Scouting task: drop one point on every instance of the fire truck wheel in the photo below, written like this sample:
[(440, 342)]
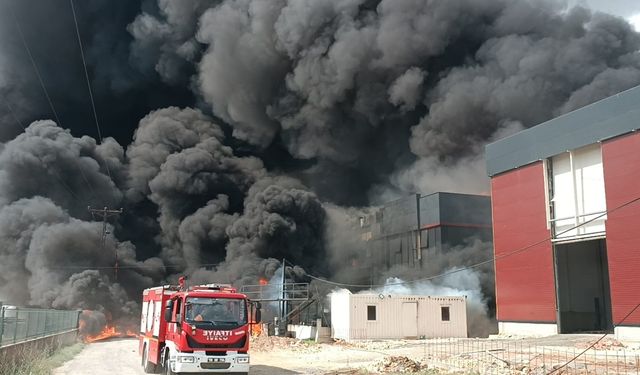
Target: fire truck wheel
[(148, 367), (167, 367)]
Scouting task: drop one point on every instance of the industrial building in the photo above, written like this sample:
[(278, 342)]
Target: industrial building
[(385, 316), (409, 230), (566, 222)]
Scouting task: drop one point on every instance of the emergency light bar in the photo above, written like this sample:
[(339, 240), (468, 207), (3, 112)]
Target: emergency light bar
[(221, 287)]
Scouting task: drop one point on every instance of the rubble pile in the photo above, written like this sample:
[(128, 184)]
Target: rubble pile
[(265, 343), (606, 344), (400, 364)]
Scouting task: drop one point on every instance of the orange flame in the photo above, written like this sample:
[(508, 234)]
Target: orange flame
[(256, 329), (263, 281), (107, 333)]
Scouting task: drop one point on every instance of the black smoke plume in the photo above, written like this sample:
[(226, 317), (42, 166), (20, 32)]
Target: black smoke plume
[(238, 133)]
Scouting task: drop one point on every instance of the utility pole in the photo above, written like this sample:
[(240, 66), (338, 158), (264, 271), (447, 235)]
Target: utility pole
[(105, 213), (284, 290)]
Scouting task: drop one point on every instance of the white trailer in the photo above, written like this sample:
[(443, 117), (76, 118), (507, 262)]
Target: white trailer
[(386, 316)]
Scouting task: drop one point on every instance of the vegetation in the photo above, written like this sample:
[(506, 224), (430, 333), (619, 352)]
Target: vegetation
[(38, 360)]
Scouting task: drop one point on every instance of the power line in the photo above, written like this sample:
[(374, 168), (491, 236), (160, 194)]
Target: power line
[(86, 76), (492, 259), (55, 173), (46, 93), (105, 213), (15, 117), (593, 344), (35, 67)]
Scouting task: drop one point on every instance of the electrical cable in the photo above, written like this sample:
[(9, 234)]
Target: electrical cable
[(15, 116), (492, 259), (35, 68), (86, 75), (593, 344), (56, 175), (48, 97)]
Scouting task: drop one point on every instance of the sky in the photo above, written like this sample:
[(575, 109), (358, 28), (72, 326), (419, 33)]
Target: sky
[(629, 9)]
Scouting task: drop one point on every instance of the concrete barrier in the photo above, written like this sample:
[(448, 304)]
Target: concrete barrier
[(33, 349), (27, 331)]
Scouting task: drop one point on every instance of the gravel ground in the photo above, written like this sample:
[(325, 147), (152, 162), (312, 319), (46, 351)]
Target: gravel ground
[(282, 356), (286, 356)]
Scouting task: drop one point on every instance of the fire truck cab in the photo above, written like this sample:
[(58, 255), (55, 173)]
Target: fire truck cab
[(200, 329)]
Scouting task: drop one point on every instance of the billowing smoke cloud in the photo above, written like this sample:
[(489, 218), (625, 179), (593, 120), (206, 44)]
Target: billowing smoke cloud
[(48, 161), (458, 282), (332, 79), (123, 91), (281, 220), (238, 133), (446, 275), (178, 161), (48, 259)]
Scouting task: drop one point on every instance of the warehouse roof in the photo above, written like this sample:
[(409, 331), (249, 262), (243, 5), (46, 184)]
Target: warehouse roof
[(610, 117)]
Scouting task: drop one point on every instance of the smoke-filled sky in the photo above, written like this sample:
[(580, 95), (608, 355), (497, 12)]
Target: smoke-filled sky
[(236, 133)]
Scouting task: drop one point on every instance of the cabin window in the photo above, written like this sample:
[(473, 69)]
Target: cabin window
[(444, 313), (371, 313)]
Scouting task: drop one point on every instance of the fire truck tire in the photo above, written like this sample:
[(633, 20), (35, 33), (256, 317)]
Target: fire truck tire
[(166, 368), (148, 367)]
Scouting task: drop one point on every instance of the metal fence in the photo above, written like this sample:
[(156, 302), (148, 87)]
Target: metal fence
[(482, 356), (19, 324)]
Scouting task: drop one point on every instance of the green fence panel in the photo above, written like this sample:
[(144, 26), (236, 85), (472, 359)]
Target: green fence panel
[(18, 324)]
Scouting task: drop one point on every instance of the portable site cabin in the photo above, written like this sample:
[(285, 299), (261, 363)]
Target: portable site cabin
[(385, 316)]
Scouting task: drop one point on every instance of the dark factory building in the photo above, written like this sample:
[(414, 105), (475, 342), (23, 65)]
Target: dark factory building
[(410, 230)]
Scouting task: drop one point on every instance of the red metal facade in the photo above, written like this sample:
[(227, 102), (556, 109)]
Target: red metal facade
[(525, 282), (621, 164)]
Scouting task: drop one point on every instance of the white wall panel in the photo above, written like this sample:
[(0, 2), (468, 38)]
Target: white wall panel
[(578, 193)]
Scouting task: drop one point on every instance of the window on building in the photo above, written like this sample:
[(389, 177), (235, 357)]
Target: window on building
[(576, 193), (444, 313), (371, 313)]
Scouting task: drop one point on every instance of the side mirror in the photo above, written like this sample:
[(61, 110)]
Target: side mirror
[(168, 311)]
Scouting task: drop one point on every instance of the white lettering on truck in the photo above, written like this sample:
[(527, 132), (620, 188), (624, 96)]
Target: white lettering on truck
[(217, 335)]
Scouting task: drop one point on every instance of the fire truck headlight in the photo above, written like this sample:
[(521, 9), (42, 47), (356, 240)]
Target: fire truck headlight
[(186, 359), (243, 360)]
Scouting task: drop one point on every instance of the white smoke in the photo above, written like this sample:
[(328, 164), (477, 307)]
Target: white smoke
[(456, 282)]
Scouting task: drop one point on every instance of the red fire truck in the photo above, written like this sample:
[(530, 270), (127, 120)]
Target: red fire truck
[(199, 329)]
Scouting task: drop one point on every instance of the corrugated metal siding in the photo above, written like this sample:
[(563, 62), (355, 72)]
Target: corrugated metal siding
[(610, 117), (525, 282), (621, 161), (389, 323)]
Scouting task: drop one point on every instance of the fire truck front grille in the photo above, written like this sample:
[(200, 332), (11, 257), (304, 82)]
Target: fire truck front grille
[(215, 366), (196, 345)]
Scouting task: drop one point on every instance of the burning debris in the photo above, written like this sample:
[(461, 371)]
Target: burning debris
[(290, 113), (108, 332), (95, 326)]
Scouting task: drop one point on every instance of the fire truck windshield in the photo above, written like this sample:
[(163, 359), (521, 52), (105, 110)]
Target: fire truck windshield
[(223, 313)]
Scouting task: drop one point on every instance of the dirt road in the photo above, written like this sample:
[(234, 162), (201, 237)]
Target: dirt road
[(116, 356), (120, 356), (280, 356)]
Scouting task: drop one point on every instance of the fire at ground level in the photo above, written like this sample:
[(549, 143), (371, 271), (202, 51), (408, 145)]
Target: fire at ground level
[(282, 356)]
